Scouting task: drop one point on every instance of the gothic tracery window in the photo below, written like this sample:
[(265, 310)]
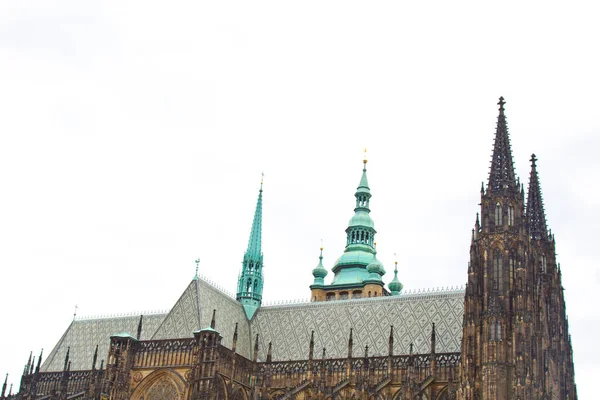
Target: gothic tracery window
[(164, 389), (511, 215)]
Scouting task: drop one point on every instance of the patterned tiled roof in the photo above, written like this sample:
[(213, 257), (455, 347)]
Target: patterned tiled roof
[(194, 310), (289, 327), (82, 336)]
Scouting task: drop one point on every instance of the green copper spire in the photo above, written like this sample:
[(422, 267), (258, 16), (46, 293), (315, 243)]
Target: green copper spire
[(351, 267), (395, 285), (320, 272), (250, 281)]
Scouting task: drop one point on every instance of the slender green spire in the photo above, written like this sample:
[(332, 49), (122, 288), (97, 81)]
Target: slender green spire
[(250, 281), (255, 240), (320, 272), (395, 285)]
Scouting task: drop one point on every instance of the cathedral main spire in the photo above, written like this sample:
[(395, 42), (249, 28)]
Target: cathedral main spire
[(536, 217), (250, 281), (502, 173)]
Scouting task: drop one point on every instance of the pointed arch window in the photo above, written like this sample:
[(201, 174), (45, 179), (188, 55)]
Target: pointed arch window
[(498, 214), (511, 271), (511, 215), (496, 330), (497, 269)]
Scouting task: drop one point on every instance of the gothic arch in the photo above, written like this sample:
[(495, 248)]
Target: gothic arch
[(162, 384), (239, 394), (443, 394)]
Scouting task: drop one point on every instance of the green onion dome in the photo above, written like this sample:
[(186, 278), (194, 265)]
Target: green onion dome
[(395, 286)]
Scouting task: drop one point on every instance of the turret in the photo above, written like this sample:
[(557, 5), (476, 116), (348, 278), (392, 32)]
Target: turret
[(250, 281), (395, 286)]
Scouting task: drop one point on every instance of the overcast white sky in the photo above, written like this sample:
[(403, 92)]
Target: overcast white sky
[(133, 136)]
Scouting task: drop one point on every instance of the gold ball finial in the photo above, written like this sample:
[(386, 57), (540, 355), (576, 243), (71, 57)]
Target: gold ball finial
[(365, 156)]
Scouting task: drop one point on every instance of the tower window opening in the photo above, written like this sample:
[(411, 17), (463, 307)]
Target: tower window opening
[(343, 295), (512, 268), (511, 215), (330, 296), (497, 269), (357, 294), (496, 331), (543, 263), (498, 214)]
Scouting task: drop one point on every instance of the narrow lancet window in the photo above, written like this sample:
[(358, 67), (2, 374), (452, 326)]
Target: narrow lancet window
[(511, 215), (497, 269), (512, 269), (498, 214)]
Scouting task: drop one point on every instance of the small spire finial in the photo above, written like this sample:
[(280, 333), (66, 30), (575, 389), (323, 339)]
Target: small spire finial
[(212, 321), (365, 157), (321, 248), (197, 261), (533, 160), (75, 312), (262, 179), (501, 103)]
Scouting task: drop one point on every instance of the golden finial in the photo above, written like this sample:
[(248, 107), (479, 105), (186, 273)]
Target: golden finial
[(396, 261), (365, 156), (321, 248), (262, 178)]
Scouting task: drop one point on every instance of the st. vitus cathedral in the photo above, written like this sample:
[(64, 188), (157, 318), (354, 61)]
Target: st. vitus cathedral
[(505, 336)]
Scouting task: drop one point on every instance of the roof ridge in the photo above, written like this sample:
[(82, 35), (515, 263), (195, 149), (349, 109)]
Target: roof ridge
[(128, 314)]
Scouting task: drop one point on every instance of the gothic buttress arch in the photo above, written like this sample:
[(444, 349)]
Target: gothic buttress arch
[(162, 384)]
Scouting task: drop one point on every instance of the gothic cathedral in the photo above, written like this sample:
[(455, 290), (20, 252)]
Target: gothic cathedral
[(505, 336)]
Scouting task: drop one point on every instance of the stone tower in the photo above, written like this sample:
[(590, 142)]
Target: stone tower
[(250, 281), (513, 292)]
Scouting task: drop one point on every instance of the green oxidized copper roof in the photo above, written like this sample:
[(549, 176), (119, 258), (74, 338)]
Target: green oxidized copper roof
[(250, 281), (254, 242), (320, 271), (350, 268), (376, 266), (350, 275), (123, 335), (395, 285), (363, 186), (361, 218)]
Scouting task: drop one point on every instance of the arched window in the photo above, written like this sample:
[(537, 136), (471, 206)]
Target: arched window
[(357, 294), (343, 295), (498, 214), (497, 269), (511, 215), (330, 296), (495, 330)]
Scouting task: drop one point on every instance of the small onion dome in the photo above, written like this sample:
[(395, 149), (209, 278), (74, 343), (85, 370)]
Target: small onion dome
[(395, 286), (320, 271), (376, 267)]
